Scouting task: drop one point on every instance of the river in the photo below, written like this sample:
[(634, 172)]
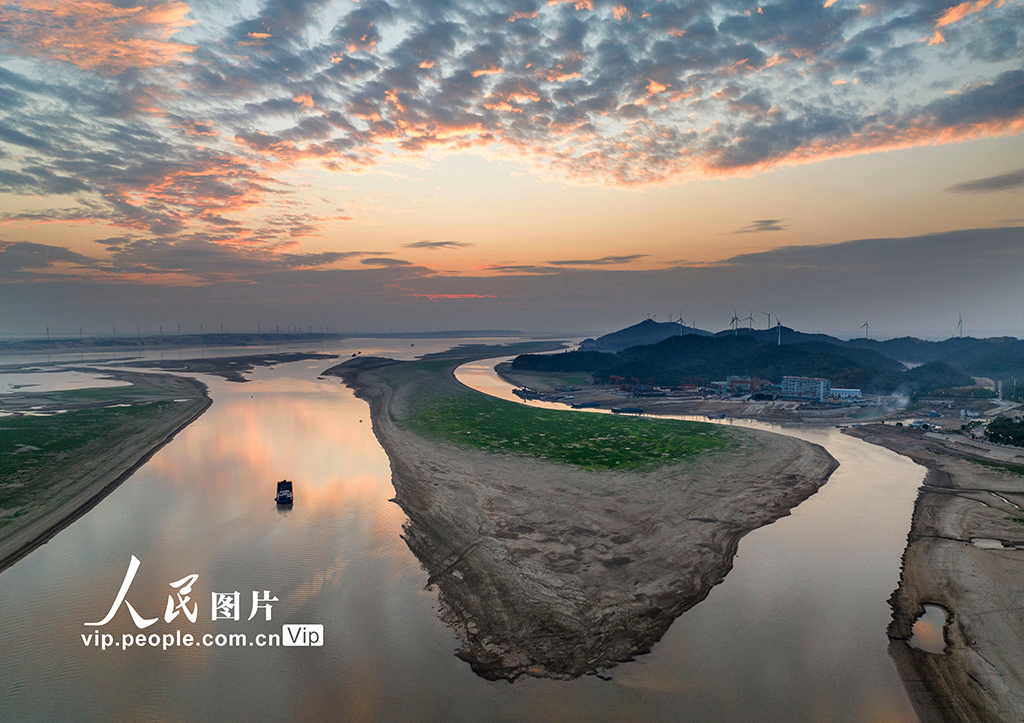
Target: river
[(796, 632)]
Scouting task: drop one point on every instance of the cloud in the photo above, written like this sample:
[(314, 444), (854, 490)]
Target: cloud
[(169, 119), (524, 269), (437, 245), (921, 281), (383, 261), (603, 261), (765, 224), (102, 36), (1004, 182), (19, 256)]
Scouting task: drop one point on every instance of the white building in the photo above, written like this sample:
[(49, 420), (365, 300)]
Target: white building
[(806, 388), (845, 393)]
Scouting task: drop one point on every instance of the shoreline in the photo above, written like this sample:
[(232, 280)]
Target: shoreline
[(548, 570), (104, 473), (964, 497), (768, 412)]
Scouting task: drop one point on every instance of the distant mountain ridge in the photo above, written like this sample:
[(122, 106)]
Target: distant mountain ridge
[(869, 364), (693, 359), (995, 357)]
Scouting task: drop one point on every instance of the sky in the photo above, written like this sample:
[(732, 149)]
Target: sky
[(565, 166)]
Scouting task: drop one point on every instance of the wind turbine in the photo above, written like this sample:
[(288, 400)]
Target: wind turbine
[(750, 318), (960, 324), (867, 329), (769, 315), (734, 322), (778, 330)]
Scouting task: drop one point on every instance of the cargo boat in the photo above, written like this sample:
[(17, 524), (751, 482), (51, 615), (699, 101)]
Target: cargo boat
[(284, 493)]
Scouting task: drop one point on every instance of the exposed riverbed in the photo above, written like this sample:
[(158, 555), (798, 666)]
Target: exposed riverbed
[(796, 632)]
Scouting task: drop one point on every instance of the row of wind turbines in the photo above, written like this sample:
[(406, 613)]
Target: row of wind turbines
[(959, 326), (735, 321)]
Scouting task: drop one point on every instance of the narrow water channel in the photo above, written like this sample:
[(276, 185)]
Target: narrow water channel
[(795, 633)]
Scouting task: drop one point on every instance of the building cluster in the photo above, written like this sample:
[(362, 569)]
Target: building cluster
[(802, 389)]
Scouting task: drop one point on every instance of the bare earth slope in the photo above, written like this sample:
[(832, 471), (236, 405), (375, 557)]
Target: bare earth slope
[(980, 677), (550, 570)]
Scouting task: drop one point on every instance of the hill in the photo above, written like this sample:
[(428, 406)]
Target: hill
[(696, 359), (997, 357), (646, 332)]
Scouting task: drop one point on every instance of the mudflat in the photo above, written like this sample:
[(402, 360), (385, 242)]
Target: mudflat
[(56, 468), (965, 554), (546, 568)]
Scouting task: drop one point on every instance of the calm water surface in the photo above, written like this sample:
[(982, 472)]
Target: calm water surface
[(795, 633)]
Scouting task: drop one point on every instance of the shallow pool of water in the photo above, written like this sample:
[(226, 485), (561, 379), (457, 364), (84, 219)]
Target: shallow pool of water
[(52, 381), (928, 633)]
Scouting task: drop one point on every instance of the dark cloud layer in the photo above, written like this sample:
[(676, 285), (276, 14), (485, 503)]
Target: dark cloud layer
[(765, 224), (433, 245), (829, 288), (603, 261), (1004, 182), (386, 262)]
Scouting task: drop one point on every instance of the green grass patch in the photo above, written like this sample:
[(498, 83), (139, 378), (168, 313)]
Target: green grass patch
[(33, 448), (1016, 469), (590, 441)]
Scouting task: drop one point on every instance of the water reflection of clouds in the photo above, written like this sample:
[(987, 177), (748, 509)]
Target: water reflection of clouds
[(928, 633)]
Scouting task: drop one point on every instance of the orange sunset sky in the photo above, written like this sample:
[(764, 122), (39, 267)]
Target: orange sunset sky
[(546, 166)]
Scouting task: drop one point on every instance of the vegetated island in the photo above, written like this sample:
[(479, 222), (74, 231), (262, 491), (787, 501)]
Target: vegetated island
[(564, 543), (63, 452), (965, 554)]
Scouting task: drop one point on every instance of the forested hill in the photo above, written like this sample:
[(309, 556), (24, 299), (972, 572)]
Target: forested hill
[(697, 359), (1000, 358), (996, 357)]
